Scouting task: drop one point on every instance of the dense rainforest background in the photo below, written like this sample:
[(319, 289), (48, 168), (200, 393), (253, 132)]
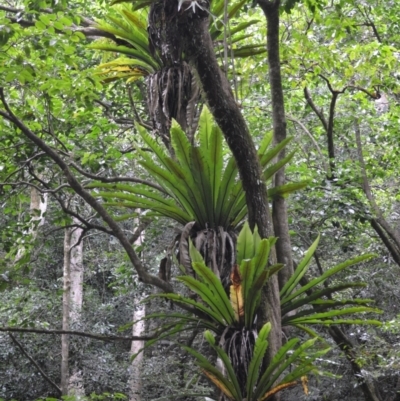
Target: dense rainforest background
[(199, 200)]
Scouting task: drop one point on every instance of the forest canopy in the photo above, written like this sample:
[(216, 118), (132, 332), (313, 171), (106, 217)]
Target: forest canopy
[(199, 200)]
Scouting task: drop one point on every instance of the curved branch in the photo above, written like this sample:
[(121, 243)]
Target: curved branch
[(311, 136), (87, 197), (117, 179), (319, 113), (40, 370)]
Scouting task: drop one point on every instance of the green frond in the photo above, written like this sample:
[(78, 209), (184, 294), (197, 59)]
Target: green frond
[(227, 364), (270, 171), (261, 256), (138, 20), (279, 364), (299, 272), (267, 156), (180, 144), (286, 189), (199, 307), (245, 244), (316, 298), (309, 317), (260, 349), (326, 275), (215, 303), (214, 284), (264, 145), (249, 51), (224, 384)]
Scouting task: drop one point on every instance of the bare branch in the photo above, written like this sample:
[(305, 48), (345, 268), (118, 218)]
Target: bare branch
[(100, 337), (319, 113), (139, 229), (311, 136), (41, 190), (133, 107), (117, 179), (87, 197), (40, 370)]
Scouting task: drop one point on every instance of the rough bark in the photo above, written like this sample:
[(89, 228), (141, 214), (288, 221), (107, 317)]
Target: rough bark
[(226, 112), (279, 209)]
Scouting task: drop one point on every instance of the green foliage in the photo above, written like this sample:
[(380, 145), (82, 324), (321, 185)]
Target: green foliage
[(260, 384), (226, 316), (199, 185), (137, 60), (308, 304)]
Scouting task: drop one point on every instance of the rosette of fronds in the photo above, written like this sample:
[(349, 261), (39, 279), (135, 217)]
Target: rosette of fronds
[(232, 319), (199, 188), (261, 382), (319, 303), (129, 27), (131, 43), (201, 183)]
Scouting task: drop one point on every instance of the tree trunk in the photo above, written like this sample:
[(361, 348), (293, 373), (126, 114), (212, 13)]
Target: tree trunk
[(76, 386), (279, 210), (66, 309), (37, 208), (72, 305), (226, 112), (137, 330), (136, 368)]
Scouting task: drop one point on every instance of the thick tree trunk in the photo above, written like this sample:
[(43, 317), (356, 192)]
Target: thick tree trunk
[(279, 210), (72, 305), (226, 112)]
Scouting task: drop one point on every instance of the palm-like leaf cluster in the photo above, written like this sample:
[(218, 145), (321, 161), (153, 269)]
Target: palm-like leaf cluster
[(260, 385), (137, 60), (197, 185), (241, 347), (311, 305), (130, 31)]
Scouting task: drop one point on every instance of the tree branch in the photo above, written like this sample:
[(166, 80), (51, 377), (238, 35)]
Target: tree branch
[(319, 113), (87, 197), (117, 179), (100, 337), (40, 370)]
